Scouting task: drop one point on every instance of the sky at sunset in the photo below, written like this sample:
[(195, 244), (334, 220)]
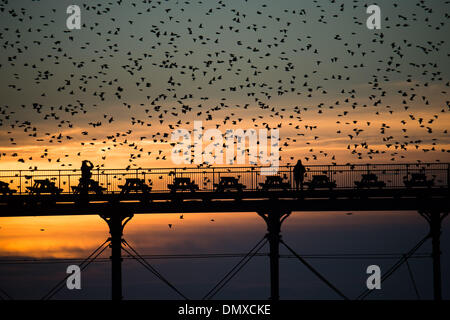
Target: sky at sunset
[(115, 90), (309, 233)]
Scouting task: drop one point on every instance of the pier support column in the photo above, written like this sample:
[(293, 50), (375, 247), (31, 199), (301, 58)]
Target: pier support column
[(274, 218), (434, 219), (116, 221)]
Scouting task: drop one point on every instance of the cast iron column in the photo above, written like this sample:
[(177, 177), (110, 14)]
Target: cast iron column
[(116, 221), (274, 218), (434, 218), (435, 229)]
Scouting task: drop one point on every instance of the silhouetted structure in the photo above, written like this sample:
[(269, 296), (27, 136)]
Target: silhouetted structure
[(5, 189), (274, 183), (229, 183), (418, 180), (320, 181), (331, 188), (44, 186), (370, 180), (135, 185), (182, 184)]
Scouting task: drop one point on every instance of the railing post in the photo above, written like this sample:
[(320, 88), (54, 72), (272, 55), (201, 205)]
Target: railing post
[(291, 177), (448, 175), (59, 179), (20, 181), (251, 177), (213, 181), (330, 173)]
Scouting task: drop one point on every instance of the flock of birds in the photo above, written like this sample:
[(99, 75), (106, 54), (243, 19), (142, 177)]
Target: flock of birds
[(139, 70)]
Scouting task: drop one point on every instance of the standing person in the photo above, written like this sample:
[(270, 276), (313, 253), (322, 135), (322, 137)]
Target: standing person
[(86, 173), (299, 174)]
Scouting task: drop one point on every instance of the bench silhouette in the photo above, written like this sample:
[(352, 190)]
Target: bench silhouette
[(5, 190), (418, 180), (320, 181), (135, 185), (274, 182), (228, 183), (182, 184), (93, 186), (44, 186), (370, 180)]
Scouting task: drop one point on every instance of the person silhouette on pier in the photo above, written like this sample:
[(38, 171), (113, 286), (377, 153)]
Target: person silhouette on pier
[(86, 174), (299, 175)]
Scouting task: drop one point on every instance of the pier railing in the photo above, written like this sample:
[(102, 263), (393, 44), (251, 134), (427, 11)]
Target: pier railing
[(393, 175)]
